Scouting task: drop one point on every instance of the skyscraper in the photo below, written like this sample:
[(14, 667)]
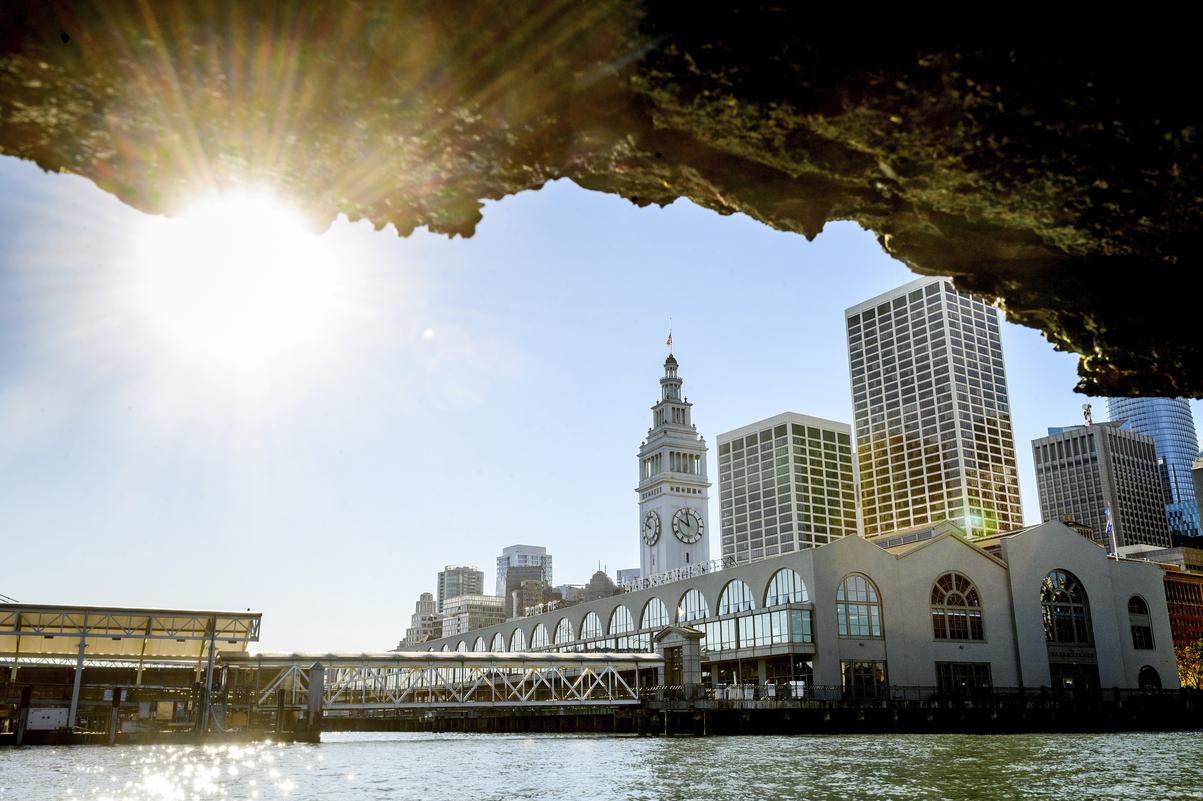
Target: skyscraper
[(1099, 475), (522, 556), (932, 420), (459, 580), (673, 526), (1169, 422), (785, 483)]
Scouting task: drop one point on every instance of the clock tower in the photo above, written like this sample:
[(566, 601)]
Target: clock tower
[(673, 527)]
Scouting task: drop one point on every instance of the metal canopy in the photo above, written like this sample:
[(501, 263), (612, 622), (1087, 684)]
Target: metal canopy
[(52, 631), (434, 659)]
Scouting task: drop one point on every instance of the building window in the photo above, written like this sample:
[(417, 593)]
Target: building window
[(1141, 623), (956, 610), (785, 587), (590, 627), (1065, 609), (498, 645), (621, 621), (692, 607), (863, 679), (518, 640), (858, 608), (963, 678), (463, 646), (563, 634), (736, 597), (538, 638), (479, 645), (655, 615)]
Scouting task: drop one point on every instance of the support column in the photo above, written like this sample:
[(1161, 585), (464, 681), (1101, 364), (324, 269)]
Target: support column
[(207, 690), (115, 715), (23, 713), (317, 684), (79, 672)]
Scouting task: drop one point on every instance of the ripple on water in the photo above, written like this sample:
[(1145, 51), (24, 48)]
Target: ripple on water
[(431, 767)]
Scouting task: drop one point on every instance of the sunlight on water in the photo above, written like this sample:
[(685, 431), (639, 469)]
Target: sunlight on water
[(1131, 767)]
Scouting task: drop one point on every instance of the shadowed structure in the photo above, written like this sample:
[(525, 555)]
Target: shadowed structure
[(1059, 176)]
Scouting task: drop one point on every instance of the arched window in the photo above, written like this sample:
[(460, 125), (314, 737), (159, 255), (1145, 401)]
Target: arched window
[(463, 646), (538, 638), (1142, 626), (858, 607), (621, 621), (956, 609), (445, 647), (518, 640), (479, 645), (1149, 678), (655, 615), (735, 597), (498, 645), (1065, 609), (563, 634), (590, 627), (785, 587), (692, 607)]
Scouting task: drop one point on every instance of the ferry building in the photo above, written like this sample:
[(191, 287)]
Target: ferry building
[(1040, 606)]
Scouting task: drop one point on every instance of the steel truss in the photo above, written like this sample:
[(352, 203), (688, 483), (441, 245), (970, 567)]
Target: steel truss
[(351, 684)]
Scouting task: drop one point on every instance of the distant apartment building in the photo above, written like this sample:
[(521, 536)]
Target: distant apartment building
[(627, 574), (424, 623), (785, 483), (464, 613), (522, 556), (1172, 426), (515, 578), (458, 580), (1105, 477), (931, 416)]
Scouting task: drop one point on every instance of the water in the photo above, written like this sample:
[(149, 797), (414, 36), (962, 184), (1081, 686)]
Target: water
[(432, 767)]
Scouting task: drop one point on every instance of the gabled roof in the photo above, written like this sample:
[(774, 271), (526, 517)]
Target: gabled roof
[(683, 631)]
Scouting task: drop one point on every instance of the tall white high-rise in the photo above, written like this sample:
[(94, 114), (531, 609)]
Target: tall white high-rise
[(522, 556), (673, 527), (785, 483), (931, 416)]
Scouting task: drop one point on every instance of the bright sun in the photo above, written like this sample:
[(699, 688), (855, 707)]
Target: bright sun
[(236, 282)]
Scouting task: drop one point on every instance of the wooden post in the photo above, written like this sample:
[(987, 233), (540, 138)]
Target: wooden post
[(23, 713), (280, 711), (115, 715), (317, 682), (79, 672)]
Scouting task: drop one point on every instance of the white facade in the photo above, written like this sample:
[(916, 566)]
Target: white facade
[(832, 638), (522, 556), (785, 483), (674, 528), (932, 419)]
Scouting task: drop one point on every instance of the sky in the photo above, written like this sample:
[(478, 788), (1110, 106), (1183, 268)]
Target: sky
[(418, 402)]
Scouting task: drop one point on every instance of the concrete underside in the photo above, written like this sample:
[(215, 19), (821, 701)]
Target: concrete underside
[(1058, 174)]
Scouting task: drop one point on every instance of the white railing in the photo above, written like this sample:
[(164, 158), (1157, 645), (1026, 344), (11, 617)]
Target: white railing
[(680, 574)]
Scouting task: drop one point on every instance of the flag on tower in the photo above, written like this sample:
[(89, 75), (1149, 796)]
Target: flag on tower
[(669, 341)]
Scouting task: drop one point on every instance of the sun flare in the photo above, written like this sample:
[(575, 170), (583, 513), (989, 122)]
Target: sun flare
[(237, 282)]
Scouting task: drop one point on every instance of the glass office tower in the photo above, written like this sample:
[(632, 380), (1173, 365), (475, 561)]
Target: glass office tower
[(1169, 422), (931, 416)]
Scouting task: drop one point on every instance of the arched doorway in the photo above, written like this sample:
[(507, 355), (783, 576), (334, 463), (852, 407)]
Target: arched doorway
[(1149, 678)]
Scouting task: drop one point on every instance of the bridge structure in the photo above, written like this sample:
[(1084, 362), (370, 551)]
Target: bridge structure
[(301, 690)]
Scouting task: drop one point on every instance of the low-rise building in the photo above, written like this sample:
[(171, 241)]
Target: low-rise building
[(1050, 609), (465, 613)]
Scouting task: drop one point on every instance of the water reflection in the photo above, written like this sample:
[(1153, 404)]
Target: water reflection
[(412, 766)]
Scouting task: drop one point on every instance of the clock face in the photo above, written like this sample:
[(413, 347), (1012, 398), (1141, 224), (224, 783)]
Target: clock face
[(687, 526), (651, 528)]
